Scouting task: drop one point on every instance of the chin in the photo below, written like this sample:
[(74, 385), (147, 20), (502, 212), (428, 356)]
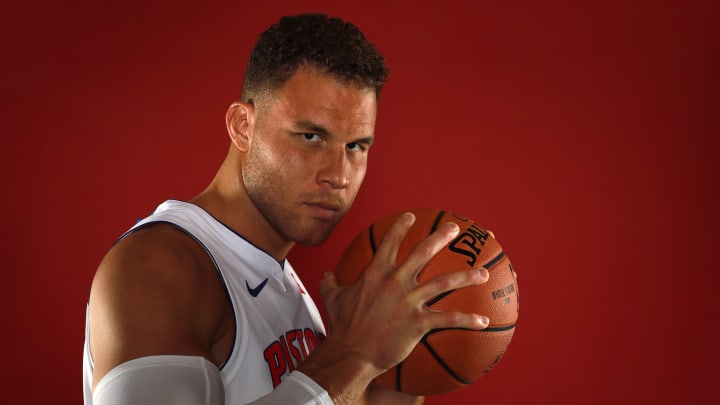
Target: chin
[(314, 237), (313, 240)]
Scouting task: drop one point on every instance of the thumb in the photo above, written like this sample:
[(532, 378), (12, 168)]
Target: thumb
[(327, 284)]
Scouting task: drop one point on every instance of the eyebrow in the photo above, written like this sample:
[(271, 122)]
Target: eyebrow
[(310, 126)]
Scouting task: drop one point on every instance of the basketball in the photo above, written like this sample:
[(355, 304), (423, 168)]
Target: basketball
[(447, 359)]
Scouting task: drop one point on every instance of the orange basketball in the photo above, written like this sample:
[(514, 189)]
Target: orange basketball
[(447, 359)]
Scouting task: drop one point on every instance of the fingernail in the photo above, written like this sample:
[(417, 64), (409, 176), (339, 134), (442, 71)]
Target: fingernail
[(484, 272), (453, 226), (484, 321)]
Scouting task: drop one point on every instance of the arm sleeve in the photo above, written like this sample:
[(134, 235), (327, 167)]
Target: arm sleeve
[(182, 380), (296, 388), (191, 380)]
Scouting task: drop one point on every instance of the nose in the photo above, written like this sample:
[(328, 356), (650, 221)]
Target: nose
[(334, 169)]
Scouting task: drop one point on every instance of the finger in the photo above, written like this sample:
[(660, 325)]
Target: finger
[(445, 282), (492, 234), (441, 319), (427, 249), (390, 244)]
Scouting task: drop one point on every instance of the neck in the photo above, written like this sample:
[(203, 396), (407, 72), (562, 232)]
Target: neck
[(226, 199)]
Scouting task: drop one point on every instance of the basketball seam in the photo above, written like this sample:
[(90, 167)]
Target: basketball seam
[(498, 328), (439, 297), (398, 380), (488, 329), (492, 262), (435, 224), (441, 362)]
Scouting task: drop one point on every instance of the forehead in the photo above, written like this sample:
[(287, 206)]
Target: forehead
[(311, 96)]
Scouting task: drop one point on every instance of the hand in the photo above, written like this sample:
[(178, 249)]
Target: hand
[(380, 318)]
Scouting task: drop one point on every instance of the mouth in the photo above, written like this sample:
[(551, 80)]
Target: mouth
[(324, 209)]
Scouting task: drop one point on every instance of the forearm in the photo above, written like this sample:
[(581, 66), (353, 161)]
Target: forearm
[(343, 375)]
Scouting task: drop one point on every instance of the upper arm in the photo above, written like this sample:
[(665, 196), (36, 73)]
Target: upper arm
[(152, 294)]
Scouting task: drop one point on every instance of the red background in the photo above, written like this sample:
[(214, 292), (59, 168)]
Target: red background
[(584, 135)]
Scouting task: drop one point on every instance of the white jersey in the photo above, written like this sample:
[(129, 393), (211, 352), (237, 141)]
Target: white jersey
[(276, 322)]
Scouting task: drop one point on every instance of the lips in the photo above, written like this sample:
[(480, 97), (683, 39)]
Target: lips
[(324, 209), (326, 205)]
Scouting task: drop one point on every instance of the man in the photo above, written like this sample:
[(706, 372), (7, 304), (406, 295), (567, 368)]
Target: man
[(197, 304)]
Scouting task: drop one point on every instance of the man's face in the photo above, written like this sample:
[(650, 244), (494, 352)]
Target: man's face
[(308, 154)]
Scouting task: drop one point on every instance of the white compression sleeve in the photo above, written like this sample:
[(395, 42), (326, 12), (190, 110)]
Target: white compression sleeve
[(191, 380), (182, 380), (296, 389)]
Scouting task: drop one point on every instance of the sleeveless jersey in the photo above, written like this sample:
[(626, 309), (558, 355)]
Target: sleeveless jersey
[(276, 322)]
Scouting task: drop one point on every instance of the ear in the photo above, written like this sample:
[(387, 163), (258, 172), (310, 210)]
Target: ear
[(240, 120)]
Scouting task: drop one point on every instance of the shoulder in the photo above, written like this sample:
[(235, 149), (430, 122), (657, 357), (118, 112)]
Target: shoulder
[(156, 247), (159, 259), (155, 292)]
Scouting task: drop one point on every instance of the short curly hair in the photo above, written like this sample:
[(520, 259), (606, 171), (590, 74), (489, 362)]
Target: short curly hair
[(330, 45)]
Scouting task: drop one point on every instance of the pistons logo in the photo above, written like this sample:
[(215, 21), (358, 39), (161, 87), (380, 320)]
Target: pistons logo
[(288, 351)]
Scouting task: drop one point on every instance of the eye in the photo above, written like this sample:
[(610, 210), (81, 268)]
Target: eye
[(311, 137), (356, 146)]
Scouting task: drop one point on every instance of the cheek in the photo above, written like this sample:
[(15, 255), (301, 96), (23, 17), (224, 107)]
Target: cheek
[(358, 175), (275, 160), (295, 167), (262, 169)]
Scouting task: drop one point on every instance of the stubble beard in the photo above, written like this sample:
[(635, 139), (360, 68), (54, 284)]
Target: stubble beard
[(266, 193), (290, 225)]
